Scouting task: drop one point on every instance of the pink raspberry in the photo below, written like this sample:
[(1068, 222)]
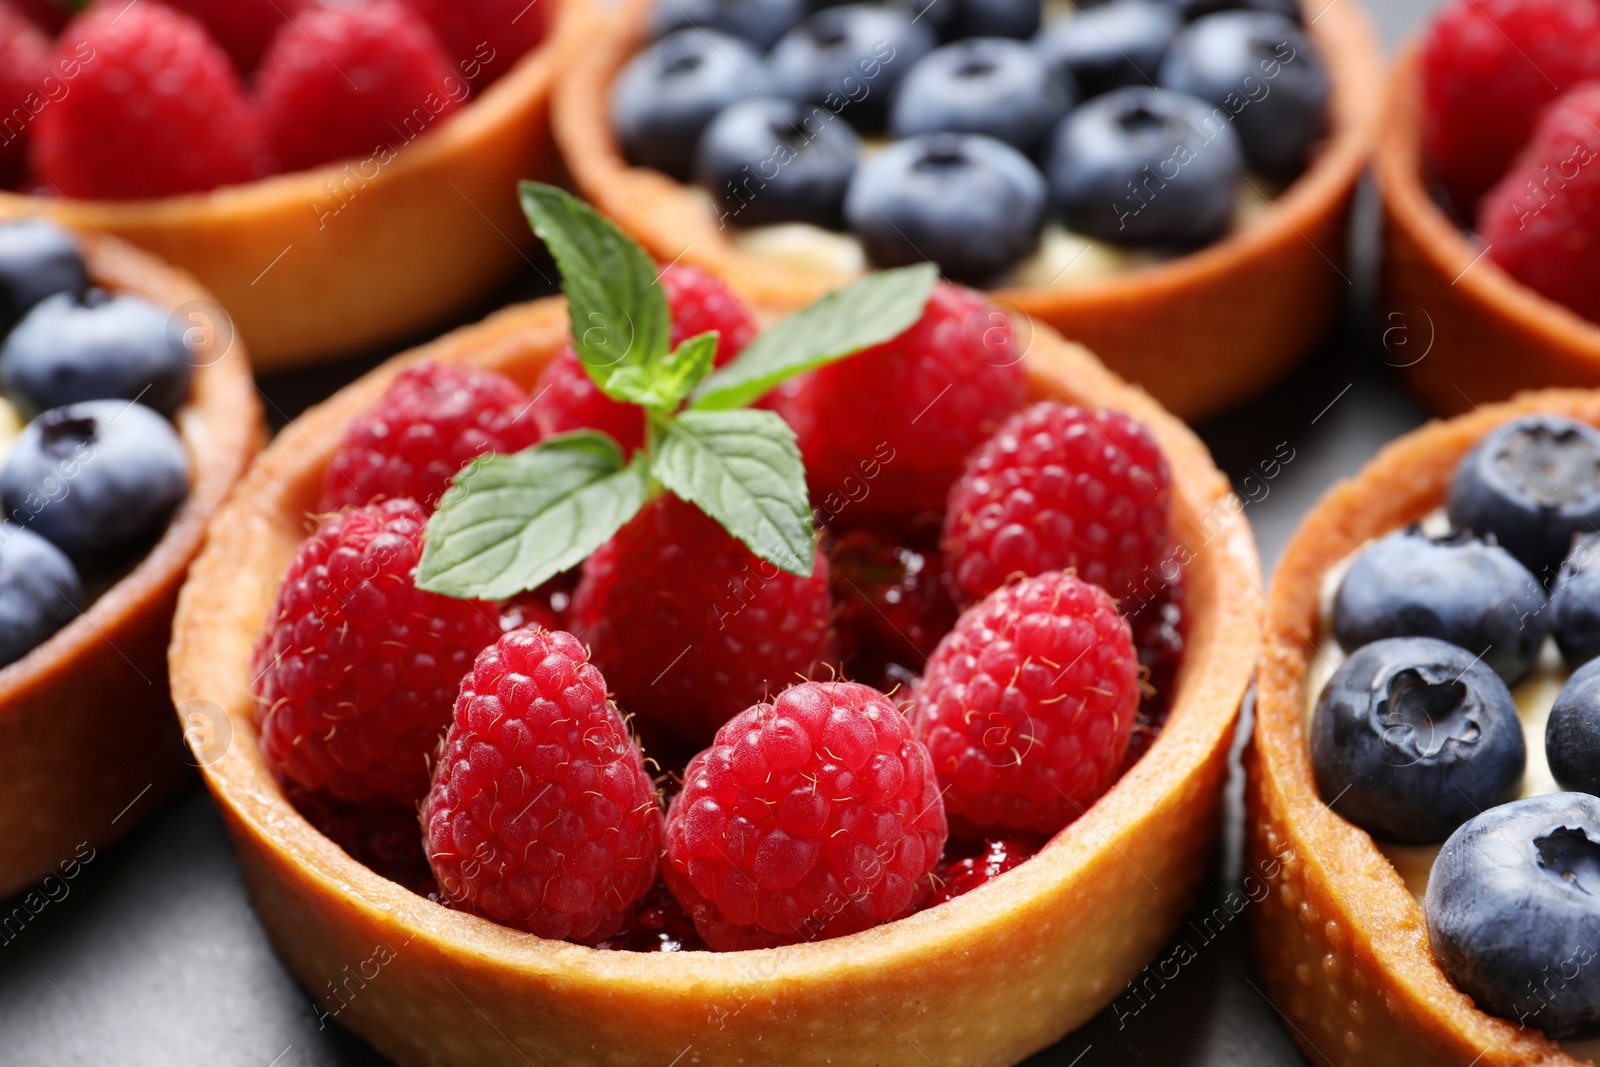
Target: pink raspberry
[(433, 420), (814, 816), (357, 669), (1061, 488), (541, 815), (486, 37), (1028, 704)]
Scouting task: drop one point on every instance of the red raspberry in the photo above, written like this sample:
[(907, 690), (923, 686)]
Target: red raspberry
[(1488, 68), (383, 837), (690, 626), (48, 15), (358, 81), (814, 816), (885, 432), (960, 875), (547, 607), (1061, 488), (1028, 704), (433, 420), (243, 28), (24, 65), (158, 110), (357, 669), (541, 815), (567, 398), (486, 37), (660, 925), (895, 602), (1542, 222)]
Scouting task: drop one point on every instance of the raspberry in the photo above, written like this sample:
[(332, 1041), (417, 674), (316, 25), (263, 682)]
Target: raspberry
[(1488, 68), (383, 837), (24, 65), (345, 82), (541, 815), (432, 421), (960, 875), (243, 28), (1542, 222), (1061, 488), (896, 600), (357, 669), (48, 15), (567, 398), (159, 110), (547, 607), (690, 626), (1028, 704), (660, 925), (486, 37), (811, 817), (885, 432)]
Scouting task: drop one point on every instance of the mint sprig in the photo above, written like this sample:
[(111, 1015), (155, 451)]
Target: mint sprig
[(510, 523)]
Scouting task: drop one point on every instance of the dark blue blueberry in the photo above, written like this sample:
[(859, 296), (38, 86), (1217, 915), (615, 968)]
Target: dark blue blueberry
[(1575, 603), (1105, 48), (667, 94), (39, 591), (101, 346), (969, 203), (37, 259), (849, 59), (1145, 167), (1572, 733), (1194, 9), (958, 19), (1262, 70), (1458, 588), (986, 85), (1533, 482), (97, 479), (1413, 736), (768, 160), (1512, 912), (761, 22)]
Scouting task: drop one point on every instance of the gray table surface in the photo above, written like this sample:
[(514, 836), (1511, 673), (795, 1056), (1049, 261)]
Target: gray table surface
[(154, 956)]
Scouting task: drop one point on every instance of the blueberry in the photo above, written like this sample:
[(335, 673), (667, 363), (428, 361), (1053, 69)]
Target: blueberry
[(1105, 48), (667, 94), (849, 59), (1575, 603), (1512, 914), (101, 346), (1533, 482), (37, 259), (986, 85), (969, 203), (761, 22), (768, 160), (1261, 69), (1195, 9), (958, 19), (1145, 167), (1458, 588), (96, 479), (1572, 733), (39, 591), (1413, 736)]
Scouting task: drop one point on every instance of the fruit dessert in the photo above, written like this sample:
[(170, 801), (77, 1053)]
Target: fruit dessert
[(600, 597), (1425, 748), (125, 419), (1081, 164), (1491, 202), (292, 155)]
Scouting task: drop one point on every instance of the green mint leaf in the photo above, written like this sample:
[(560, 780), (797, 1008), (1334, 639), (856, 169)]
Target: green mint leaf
[(615, 303), (663, 387), (865, 313), (743, 469), (511, 522)]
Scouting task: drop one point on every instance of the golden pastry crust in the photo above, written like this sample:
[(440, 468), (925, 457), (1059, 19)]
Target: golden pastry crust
[(86, 733), (1485, 334), (1201, 332), (983, 980), (361, 253), (1341, 943)]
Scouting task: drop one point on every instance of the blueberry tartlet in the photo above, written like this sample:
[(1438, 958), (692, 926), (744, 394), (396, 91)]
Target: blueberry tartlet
[(1427, 749), (1122, 173)]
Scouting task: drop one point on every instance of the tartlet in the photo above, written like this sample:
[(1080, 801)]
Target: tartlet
[(1341, 942), (985, 979), (86, 732), (356, 254), (1460, 312), (1201, 332)]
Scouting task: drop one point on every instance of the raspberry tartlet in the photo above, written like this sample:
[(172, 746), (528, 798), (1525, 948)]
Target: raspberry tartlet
[(368, 230), (1389, 763), (87, 744), (1125, 303)]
